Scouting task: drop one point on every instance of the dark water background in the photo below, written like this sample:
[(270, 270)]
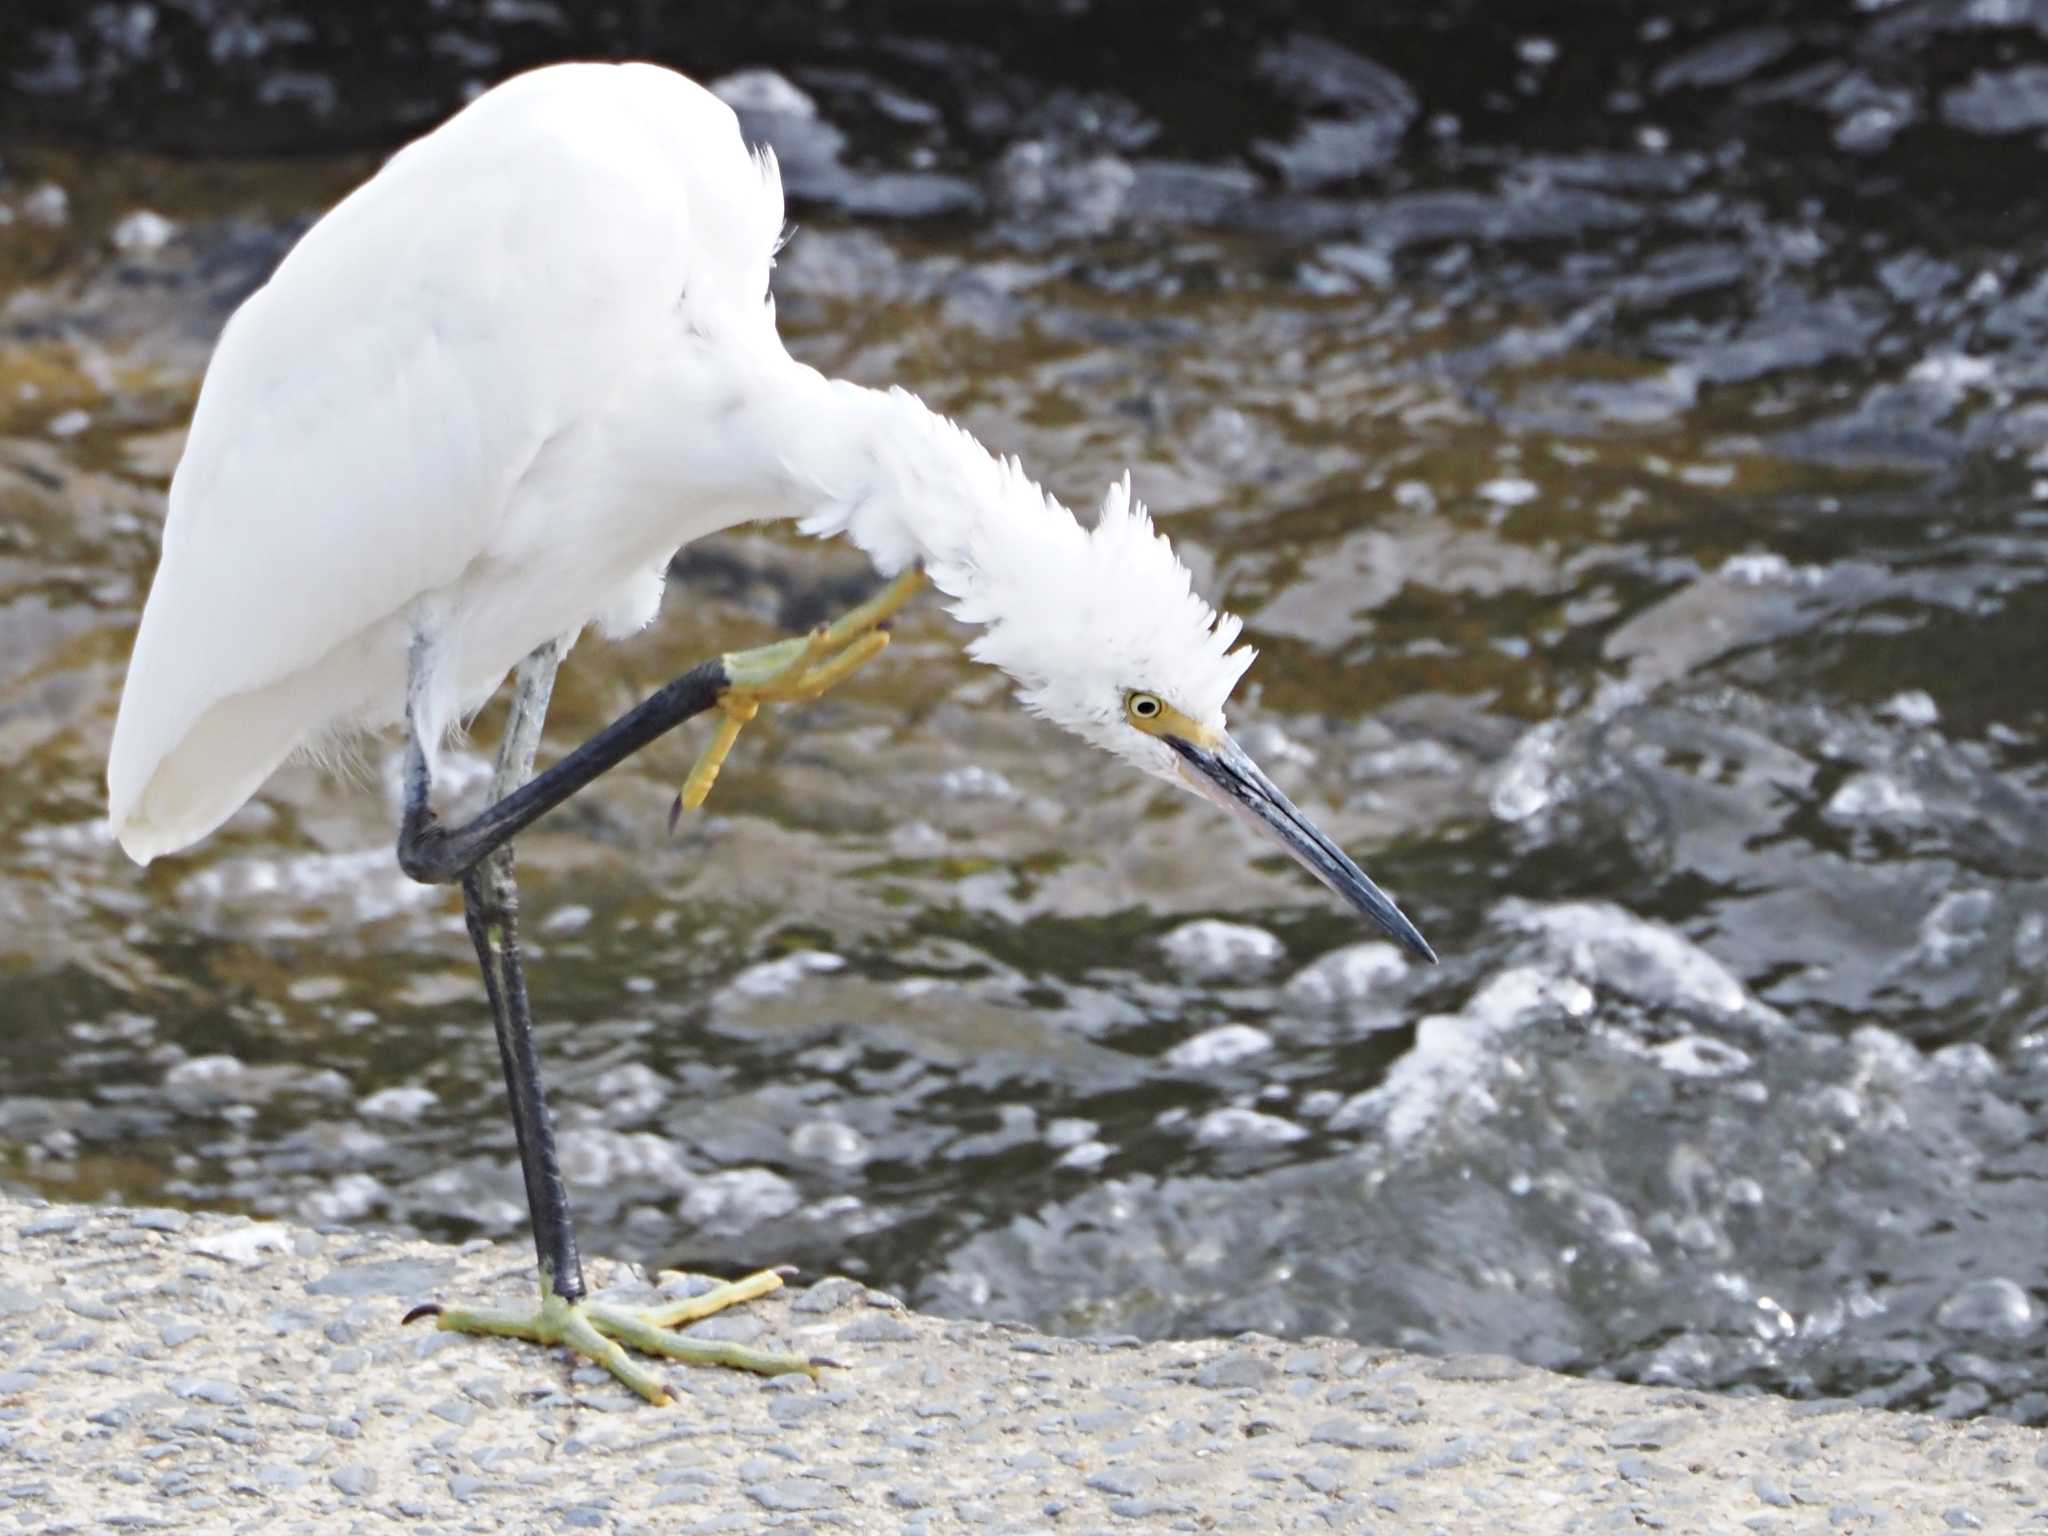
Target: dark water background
[(1624, 431)]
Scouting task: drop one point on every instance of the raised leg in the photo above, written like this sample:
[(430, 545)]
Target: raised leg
[(736, 683), (436, 855)]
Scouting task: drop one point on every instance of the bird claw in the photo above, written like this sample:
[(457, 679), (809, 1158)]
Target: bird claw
[(793, 671), (603, 1334)]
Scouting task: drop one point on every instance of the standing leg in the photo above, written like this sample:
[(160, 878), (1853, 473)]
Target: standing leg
[(490, 901), (490, 904)]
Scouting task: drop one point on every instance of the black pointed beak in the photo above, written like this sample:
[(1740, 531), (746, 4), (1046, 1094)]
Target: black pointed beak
[(1232, 780)]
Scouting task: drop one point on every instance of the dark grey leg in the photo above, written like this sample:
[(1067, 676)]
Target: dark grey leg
[(479, 854), (490, 905), (436, 855)]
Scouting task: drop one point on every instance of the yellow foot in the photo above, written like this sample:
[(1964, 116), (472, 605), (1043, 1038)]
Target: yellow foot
[(791, 670), (596, 1332)]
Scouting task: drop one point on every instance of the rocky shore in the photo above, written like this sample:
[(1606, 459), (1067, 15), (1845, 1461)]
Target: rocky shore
[(163, 1370)]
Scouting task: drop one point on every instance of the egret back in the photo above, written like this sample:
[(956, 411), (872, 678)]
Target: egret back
[(388, 438)]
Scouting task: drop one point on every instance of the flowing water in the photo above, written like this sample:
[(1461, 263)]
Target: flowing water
[(1634, 473)]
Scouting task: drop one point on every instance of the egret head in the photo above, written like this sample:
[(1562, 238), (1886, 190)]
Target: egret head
[(1105, 635)]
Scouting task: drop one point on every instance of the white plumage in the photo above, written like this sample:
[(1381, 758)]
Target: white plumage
[(486, 398), (479, 407)]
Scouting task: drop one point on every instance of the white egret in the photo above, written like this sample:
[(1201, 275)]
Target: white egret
[(478, 408)]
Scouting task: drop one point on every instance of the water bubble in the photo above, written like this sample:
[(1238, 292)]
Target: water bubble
[(349, 1198), (1087, 1155), (630, 1091), (763, 90), (598, 1155), (1455, 1055), (1873, 797), (829, 1141), (1219, 1047), (1612, 948), (49, 205), (402, 1103), (1069, 1132), (1245, 1127), (1699, 1056), (1209, 948), (974, 782), (1345, 976), (569, 918), (1996, 1307), (1528, 782), (777, 978), (735, 1199), (1508, 491), (1957, 925), (143, 231), (1913, 707)]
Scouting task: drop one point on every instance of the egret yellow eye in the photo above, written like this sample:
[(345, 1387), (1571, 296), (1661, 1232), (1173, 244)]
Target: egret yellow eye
[(1144, 706)]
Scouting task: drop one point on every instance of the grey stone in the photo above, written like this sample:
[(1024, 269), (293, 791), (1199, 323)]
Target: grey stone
[(1354, 1435), (793, 1493), (206, 1389), (355, 1480), (879, 1329), (785, 1409), (1147, 1509), (1770, 1492), (1238, 1369), (384, 1277), (457, 1411), (1122, 1480), (163, 1220), (15, 1302), (828, 1295), (1648, 1434), (1477, 1368)]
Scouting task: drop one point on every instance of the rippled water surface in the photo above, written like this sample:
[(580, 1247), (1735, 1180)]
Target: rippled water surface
[(1641, 506)]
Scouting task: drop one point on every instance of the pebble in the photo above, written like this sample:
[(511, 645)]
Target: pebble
[(1235, 1370), (15, 1302), (248, 1245), (205, 1389), (792, 1493), (877, 1330), (828, 1295)]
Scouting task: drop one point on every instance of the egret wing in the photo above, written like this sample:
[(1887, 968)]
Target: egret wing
[(364, 428)]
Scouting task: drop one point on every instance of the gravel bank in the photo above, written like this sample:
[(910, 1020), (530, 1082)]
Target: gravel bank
[(167, 1371)]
